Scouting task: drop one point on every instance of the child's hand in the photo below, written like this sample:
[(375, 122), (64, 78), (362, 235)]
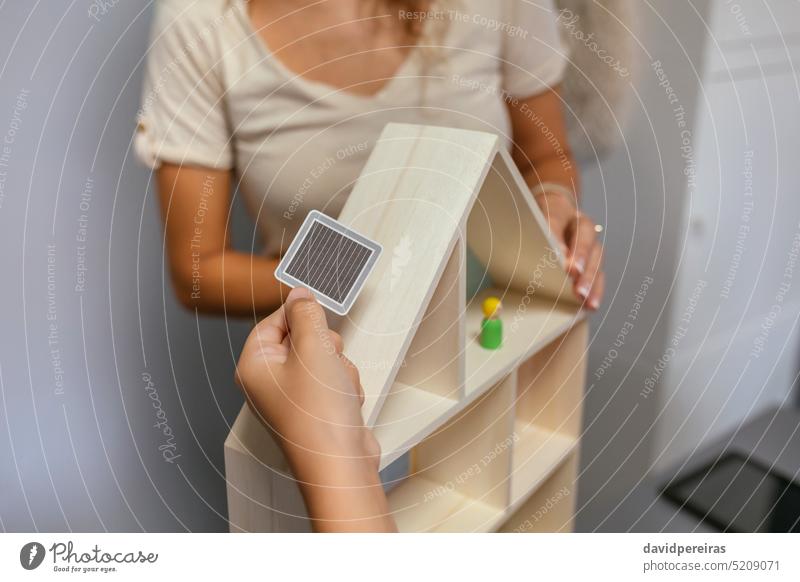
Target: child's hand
[(302, 386), (297, 380)]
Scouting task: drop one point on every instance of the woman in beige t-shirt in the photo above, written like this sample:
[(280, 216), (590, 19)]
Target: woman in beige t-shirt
[(284, 99)]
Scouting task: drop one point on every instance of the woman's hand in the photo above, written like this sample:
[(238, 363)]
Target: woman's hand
[(541, 152), (309, 395), (578, 237)]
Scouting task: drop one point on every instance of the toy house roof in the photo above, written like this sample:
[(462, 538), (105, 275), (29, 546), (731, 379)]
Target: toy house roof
[(426, 194)]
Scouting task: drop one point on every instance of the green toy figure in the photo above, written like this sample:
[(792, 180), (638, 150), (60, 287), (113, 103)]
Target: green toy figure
[(491, 326)]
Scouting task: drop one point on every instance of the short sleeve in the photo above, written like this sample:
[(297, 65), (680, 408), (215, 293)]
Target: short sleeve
[(534, 58), (182, 117)]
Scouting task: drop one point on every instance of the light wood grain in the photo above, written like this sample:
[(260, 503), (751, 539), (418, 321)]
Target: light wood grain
[(249, 491), (509, 235), (459, 475), (537, 454), (551, 384), (417, 186), (262, 494), (473, 451), (422, 505), (551, 508), (435, 359), (408, 416)]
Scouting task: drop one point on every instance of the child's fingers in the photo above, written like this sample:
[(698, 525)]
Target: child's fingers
[(268, 342), (337, 341), (306, 321), (355, 377), (273, 353), (270, 330)]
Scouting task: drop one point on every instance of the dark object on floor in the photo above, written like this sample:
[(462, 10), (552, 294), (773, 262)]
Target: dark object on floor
[(737, 494)]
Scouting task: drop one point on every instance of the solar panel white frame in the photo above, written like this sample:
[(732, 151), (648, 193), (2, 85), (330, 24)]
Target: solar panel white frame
[(338, 307)]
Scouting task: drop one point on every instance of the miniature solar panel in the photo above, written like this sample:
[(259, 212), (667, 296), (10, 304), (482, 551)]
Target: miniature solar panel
[(329, 259), (329, 262)]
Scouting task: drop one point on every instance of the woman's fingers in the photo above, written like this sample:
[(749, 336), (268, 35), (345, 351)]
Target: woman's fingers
[(596, 296), (586, 284), (581, 241), (578, 237)]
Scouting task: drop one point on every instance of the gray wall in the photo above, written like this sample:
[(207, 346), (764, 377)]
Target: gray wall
[(639, 194), (78, 445)]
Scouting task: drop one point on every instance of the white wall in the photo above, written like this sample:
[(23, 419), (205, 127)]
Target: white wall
[(736, 353)]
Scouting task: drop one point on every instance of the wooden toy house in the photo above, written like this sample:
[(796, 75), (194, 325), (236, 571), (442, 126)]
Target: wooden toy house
[(490, 436)]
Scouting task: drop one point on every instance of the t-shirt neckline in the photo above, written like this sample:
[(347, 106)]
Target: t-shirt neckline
[(320, 88)]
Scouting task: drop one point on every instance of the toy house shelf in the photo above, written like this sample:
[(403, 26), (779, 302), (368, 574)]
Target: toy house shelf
[(504, 446), (446, 512), (526, 332), (414, 413), (538, 454), (489, 437)]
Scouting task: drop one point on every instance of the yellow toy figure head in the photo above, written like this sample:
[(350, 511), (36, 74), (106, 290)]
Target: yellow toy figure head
[(491, 307)]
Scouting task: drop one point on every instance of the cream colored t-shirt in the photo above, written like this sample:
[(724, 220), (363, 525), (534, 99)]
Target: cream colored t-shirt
[(215, 96)]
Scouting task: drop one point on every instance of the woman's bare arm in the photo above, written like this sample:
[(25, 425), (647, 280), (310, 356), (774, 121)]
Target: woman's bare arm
[(207, 274)]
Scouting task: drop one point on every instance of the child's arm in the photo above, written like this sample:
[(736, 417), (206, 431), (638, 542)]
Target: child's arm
[(298, 381)]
